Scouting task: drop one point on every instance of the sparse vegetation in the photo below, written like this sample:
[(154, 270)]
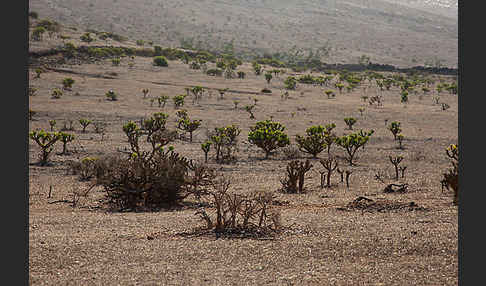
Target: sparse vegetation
[(146, 174)]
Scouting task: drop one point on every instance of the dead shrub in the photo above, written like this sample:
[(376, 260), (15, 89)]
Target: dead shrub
[(240, 215), (291, 152), (365, 204), (150, 179), (161, 180), (294, 181), (450, 179)]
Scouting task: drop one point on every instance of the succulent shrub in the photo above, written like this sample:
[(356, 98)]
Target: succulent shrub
[(330, 164), (330, 93), (197, 91), (84, 122), (400, 138), (350, 121), (162, 100), (395, 162), (329, 137), (45, 140), (404, 96), (361, 110), (52, 123), (268, 77), (225, 141), (38, 72), (290, 83), (111, 95), (313, 142), (56, 93), (182, 114), (160, 61), (339, 86), (178, 100), (115, 61), (257, 68), (268, 135), (65, 138), (67, 83), (206, 147), (352, 142), (153, 125), (147, 180), (249, 109), (189, 126), (395, 129), (32, 91), (86, 37)]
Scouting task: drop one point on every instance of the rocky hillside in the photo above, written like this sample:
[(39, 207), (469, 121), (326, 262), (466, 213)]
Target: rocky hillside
[(398, 32)]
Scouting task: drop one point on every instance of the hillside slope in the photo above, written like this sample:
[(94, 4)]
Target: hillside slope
[(395, 32)]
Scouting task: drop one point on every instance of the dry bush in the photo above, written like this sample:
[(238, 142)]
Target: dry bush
[(160, 180), (150, 179), (294, 181), (365, 204), (450, 179), (290, 152), (240, 215)]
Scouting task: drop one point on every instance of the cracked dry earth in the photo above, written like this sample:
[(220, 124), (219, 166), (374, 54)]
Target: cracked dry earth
[(407, 238)]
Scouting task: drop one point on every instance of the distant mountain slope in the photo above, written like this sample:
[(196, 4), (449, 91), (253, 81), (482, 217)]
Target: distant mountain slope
[(397, 32)]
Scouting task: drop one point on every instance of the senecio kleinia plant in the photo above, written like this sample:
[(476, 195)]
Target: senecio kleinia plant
[(268, 135), (45, 140), (314, 141), (352, 142), (395, 129)]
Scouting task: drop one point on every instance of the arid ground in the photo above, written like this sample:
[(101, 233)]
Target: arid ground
[(322, 243)]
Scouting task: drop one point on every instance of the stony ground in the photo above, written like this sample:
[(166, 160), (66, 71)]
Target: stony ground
[(323, 241)]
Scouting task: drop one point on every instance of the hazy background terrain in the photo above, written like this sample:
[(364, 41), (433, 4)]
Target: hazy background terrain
[(397, 32)]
